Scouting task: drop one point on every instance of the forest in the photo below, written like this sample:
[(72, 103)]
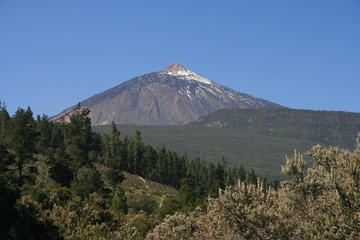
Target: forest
[(255, 138), (63, 181)]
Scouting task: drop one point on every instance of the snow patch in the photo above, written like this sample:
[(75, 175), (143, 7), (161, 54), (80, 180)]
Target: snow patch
[(188, 75)]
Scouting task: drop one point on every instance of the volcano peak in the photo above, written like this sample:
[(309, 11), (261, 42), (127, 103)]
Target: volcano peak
[(173, 96), (182, 72), (175, 67)]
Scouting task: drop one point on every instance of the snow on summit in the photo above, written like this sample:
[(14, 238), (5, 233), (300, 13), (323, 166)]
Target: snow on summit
[(173, 96), (176, 69)]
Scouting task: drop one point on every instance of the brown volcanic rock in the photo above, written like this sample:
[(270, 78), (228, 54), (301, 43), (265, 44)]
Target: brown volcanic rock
[(174, 96)]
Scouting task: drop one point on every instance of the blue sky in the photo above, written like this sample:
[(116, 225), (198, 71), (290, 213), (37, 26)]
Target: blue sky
[(301, 54)]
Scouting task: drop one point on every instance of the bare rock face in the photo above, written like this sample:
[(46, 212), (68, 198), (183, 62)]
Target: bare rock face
[(174, 96)]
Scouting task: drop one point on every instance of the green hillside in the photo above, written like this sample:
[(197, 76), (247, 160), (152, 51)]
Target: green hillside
[(326, 127), (257, 139)]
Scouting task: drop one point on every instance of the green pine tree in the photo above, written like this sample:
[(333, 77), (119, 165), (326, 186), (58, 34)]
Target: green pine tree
[(119, 202), (23, 139)]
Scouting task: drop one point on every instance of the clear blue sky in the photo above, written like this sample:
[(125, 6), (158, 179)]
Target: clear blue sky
[(302, 54)]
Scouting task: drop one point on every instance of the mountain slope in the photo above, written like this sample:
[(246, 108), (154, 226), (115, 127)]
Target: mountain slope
[(325, 127), (174, 96), (254, 138)]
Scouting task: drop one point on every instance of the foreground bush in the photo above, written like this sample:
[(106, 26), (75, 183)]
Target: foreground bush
[(322, 202)]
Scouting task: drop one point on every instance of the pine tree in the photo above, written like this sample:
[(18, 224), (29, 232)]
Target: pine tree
[(114, 177), (119, 202), (5, 122), (44, 128), (88, 181), (162, 165), (150, 157), (113, 149), (23, 139), (80, 140), (220, 172), (138, 153), (61, 173), (211, 186)]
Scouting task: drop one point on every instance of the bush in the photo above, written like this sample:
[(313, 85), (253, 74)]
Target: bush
[(322, 202), (88, 181), (169, 206), (141, 202)]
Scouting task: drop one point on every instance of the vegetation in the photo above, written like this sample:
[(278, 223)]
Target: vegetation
[(65, 181), (254, 138), (326, 127), (322, 202)]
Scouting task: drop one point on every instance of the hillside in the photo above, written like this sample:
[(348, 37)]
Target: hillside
[(136, 184), (264, 154), (257, 139), (325, 127)]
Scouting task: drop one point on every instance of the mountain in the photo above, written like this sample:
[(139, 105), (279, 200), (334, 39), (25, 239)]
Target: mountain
[(173, 96)]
